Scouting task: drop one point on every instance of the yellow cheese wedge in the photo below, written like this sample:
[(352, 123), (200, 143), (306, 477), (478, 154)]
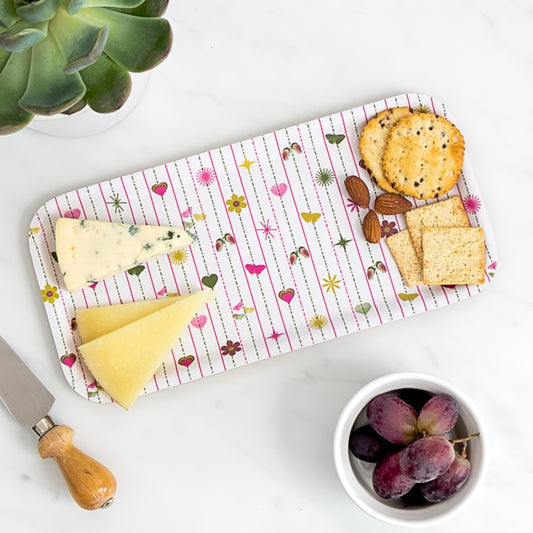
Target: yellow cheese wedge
[(95, 322), (91, 250), (123, 361)]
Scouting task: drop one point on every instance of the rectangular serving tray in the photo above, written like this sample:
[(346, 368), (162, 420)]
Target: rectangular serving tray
[(276, 236)]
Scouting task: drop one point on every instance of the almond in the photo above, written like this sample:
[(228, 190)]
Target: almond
[(391, 204), (358, 191), (371, 227)]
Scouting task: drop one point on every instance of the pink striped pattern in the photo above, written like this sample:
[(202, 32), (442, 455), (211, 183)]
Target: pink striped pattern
[(291, 266)]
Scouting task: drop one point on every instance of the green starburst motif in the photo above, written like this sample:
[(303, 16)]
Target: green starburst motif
[(324, 177), (343, 242), (116, 202), (422, 108)]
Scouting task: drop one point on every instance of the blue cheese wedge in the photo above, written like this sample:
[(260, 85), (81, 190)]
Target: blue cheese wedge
[(91, 250)]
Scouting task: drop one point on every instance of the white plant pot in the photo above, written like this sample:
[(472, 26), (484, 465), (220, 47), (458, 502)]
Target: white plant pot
[(87, 122)]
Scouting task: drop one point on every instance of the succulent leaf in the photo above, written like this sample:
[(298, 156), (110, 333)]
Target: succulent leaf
[(78, 106), (50, 90), (81, 43), (72, 6), (4, 56), (23, 35), (13, 79), (123, 4), (149, 8), (57, 56), (108, 85), (8, 14), (150, 45), (37, 11)]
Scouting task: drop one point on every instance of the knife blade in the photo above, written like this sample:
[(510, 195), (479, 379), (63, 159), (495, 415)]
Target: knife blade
[(90, 483)]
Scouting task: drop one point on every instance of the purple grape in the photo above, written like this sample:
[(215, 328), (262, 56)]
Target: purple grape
[(427, 458), (448, 483), (414, 496), (394, 419), (416, 398), (438, 416), (388, 480), (367, 445)]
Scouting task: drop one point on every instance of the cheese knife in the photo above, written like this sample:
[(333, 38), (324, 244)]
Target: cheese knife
[(90, 483)]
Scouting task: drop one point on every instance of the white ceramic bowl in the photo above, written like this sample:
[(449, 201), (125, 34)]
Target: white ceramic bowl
[(87, 122), (356, 475)]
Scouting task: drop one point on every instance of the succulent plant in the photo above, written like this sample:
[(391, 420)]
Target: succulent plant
[(57, 56)]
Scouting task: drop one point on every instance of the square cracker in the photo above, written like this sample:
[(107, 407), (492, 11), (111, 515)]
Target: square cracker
[(403, 252), (446, 213), (453, 256)]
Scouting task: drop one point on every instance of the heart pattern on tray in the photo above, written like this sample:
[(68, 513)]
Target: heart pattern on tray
[(275, 235)]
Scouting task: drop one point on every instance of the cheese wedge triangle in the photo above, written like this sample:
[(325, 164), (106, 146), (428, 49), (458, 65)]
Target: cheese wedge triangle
[(95, 322), (124, 360), (91, 250)]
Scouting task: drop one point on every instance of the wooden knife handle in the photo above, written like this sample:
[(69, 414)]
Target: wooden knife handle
[(91, 484)]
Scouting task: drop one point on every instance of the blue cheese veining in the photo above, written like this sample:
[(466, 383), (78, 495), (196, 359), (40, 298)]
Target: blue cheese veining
[(92, 250)]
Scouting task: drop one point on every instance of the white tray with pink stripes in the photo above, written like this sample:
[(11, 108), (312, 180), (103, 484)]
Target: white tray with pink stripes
[(277, 237)]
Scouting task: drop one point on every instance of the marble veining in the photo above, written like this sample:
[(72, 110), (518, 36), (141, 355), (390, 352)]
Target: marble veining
[(251, 449)]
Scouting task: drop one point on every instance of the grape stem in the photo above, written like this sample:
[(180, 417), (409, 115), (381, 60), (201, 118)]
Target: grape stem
[(464, 442)]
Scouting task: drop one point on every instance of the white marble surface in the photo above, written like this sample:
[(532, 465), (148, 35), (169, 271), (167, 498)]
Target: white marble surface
[(251, 450)]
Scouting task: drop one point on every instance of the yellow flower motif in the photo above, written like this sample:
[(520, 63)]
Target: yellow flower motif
[(178, 257), (236, 203), (49, 294), (331, 283), (318, 322)]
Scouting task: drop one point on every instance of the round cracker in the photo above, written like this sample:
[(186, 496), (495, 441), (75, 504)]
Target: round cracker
[(423, 156), (373, 140)]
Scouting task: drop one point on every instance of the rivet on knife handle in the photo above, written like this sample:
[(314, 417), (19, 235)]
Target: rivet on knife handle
[(91, 484)]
